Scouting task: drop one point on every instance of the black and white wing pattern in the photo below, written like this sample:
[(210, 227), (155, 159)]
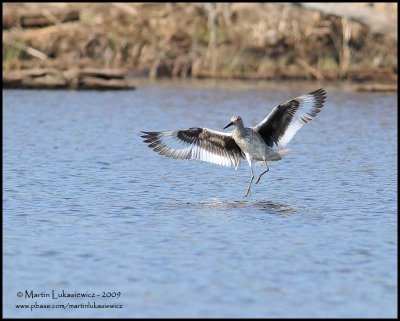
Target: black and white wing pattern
[(285, 120), (196, 143)]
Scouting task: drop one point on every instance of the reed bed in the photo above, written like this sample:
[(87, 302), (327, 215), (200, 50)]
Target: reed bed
[(220, 40)]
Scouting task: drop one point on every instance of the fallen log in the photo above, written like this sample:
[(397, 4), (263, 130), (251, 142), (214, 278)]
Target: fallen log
[(377, 87), (372, 74), (34, 79), (39, 20), (46, 82), (70, 79), (102, 73), (89, 82)]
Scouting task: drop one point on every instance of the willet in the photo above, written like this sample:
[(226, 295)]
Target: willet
[(262, 143)]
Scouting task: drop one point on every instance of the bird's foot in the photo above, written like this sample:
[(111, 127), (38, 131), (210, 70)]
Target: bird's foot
[(259, 177)]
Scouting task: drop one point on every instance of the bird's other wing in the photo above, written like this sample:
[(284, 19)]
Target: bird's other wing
[(285, 120), (196, 143)]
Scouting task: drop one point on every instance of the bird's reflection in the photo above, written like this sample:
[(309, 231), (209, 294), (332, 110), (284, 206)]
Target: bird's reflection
[(270, 207)]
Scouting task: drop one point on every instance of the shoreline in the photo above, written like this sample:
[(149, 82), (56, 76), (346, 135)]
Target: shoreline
[(238, 84)]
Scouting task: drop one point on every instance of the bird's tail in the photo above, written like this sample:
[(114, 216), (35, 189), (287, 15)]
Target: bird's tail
[(283, 152), (278, 155)]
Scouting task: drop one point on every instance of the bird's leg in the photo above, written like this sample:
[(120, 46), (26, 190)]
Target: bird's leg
[(252, 177), (263, 172)]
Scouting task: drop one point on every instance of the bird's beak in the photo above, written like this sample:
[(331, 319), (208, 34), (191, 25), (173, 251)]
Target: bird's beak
[(230, 124)]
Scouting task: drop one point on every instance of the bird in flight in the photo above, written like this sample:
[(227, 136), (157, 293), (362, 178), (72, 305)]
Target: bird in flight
[(263, 143)]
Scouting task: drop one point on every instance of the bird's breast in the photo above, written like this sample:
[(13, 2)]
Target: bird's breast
[(244, 140), (250, 143)]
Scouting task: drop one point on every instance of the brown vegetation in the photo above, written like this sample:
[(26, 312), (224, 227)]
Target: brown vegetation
[(226, 40)]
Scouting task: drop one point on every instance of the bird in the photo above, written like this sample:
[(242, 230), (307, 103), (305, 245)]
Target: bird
[(262, 143)]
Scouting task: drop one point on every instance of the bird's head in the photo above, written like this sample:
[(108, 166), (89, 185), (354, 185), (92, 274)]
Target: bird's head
[(236, 121)]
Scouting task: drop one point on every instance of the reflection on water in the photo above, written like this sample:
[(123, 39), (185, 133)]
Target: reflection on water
[(267, 206), (89, 207)]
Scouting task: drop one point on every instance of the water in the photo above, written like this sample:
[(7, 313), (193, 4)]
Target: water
[(89, 207)]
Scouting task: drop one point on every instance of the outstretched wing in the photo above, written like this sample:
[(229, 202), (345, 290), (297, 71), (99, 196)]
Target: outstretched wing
[(285, 120), (196, 143)]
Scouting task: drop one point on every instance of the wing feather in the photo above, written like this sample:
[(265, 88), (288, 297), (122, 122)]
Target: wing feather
[(196, 143), (280, 126)]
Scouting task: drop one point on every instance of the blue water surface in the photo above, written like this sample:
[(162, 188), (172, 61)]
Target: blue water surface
[(88, 207)]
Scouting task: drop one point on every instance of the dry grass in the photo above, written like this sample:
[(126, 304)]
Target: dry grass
[(200, 40)]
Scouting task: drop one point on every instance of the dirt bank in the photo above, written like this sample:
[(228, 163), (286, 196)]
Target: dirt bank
[(246, 41)]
